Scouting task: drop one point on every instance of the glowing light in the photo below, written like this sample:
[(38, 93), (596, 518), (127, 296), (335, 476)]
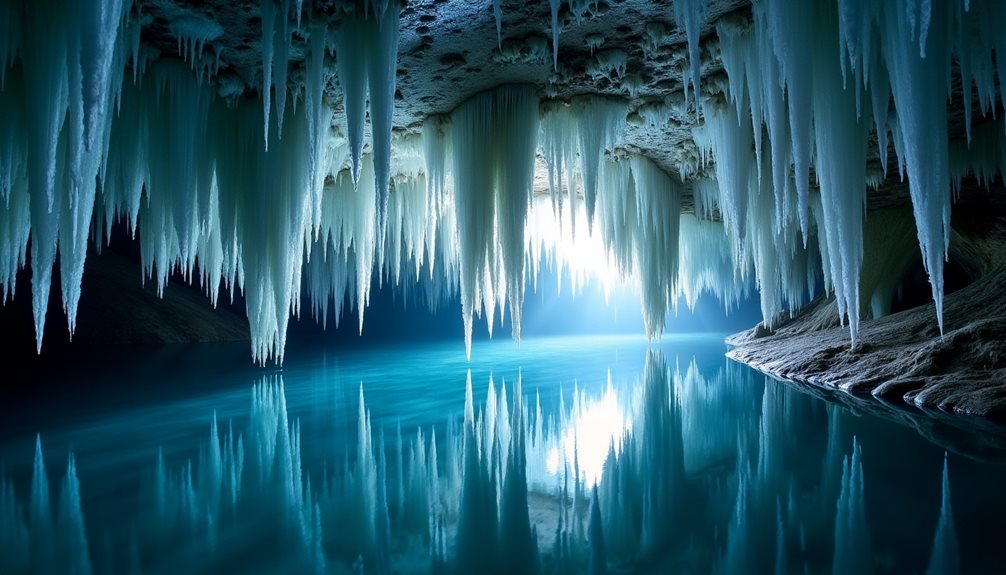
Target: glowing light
[(591, 430), (562, 241)]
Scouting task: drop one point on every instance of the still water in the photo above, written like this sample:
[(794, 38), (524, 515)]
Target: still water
[(565, 455)]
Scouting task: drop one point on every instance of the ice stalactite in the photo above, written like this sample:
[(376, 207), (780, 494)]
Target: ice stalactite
[(46, 93), (493, 136), (728, 135), (15, 221), (553, 6), (383, 56), (281, 65), (268, 15), (353, 80), (363, 237), (984, 157), (440, 246), (657, 241), (558, 141), (272, 251), (319, 119), (436, 151), (498, 15), (689, 14), (95, 66), (919, 64), (367, 55), (617, 213), (791, 28), (840, 143), (598, 124)]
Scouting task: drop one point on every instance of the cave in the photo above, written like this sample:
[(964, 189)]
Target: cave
[(494, 287)]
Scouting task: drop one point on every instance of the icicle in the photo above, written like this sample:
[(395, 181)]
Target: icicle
[(318, 120), (729, 138), (494, 136), (919, 86), (100, 23), (791, 26), (840, 137), (280, 66), (689, 14), (658, 205), (498, 14), (554, 11), (559, 137), (268, 13), (383, 61), (598, 122)]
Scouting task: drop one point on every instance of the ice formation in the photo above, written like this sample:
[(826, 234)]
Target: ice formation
[(450, 208), (689, 14), (494, 137), (832, 94)]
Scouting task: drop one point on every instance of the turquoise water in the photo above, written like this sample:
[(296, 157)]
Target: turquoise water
[(700, 465)]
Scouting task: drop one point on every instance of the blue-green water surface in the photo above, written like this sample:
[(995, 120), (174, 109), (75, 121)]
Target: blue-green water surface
[(189, 459)]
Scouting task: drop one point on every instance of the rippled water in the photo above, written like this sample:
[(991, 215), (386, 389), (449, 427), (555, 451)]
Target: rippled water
[(365, 460)]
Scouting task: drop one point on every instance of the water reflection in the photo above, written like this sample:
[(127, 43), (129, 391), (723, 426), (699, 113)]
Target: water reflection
[(683, 471)]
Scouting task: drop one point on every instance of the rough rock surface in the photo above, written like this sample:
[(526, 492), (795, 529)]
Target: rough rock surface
[(901, 355), (136, 314), (901, 358), (123, 310)]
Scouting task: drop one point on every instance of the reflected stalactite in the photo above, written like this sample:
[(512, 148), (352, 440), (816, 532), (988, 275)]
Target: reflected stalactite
[(40, 517), (699, 475), (852, 534), (45, 543), (598, 563), (781, 559), (478, 522), (382, 524), (945, 559), (739, 553), (77, 558), (518, 541)]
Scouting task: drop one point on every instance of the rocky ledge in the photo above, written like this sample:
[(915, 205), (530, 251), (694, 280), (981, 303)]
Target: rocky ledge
[(898, 357)]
